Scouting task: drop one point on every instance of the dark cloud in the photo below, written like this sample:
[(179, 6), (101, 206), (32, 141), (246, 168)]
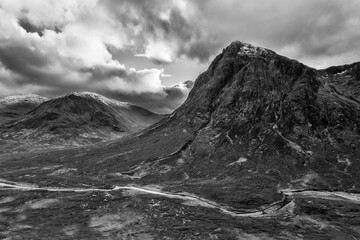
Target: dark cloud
[(29, 27), (317, 32), (200, 50), (165, 21), (28, 64), (320, 33), (189, 84), (102, 73)]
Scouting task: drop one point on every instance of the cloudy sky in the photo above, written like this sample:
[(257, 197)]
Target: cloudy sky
[(145, 51)]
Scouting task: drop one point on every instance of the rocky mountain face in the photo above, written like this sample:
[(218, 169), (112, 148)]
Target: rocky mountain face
[(256, 113), (77, 119)]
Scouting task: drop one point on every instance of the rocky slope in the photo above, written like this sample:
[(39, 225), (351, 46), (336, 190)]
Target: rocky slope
[(77, 119)]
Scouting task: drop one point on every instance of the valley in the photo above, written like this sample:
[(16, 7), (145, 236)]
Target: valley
[(131, 211), (264, 147)]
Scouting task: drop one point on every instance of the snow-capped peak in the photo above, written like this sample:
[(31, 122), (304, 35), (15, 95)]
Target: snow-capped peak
[(29, 98), (251, 50), (100, 98)]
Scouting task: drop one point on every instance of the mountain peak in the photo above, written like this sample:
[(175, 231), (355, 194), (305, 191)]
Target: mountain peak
[(77, 118), (247, 49), (98, 98)]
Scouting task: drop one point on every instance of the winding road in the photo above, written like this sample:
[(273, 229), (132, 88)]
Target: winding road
[(190, 199)]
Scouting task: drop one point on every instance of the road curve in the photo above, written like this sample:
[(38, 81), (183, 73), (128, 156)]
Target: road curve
[(193, 199)]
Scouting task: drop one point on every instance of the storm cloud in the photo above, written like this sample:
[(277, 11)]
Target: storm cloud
[(52, 47), (319, 33)]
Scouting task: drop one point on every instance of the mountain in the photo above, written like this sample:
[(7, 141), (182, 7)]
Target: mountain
[(253, 120), (255, 113), (264, 147), (14, 106), (76, 119)]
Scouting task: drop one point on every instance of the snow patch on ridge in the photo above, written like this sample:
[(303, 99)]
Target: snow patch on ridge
[(341, 73), (290, 143), (100, 98), (239, 162), (29, 98), (251, 50)]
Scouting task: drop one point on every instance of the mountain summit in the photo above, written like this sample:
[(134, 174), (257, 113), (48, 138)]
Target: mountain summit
[(77, 119)]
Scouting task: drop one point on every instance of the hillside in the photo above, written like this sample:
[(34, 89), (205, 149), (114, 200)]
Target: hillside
[(76, 119)]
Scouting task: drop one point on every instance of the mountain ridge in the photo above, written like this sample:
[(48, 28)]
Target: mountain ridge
[(12, 107), (77, 119), (31, 98)]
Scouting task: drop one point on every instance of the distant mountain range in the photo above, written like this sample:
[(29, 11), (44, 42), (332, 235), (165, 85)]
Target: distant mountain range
[(74, 119)]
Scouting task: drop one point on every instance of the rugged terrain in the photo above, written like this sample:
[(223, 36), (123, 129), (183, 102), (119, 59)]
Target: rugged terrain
[(263, 148), (72, 120)]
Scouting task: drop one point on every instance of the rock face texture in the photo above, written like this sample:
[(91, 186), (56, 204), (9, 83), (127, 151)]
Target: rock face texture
[(78, 118), (254, 112)]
